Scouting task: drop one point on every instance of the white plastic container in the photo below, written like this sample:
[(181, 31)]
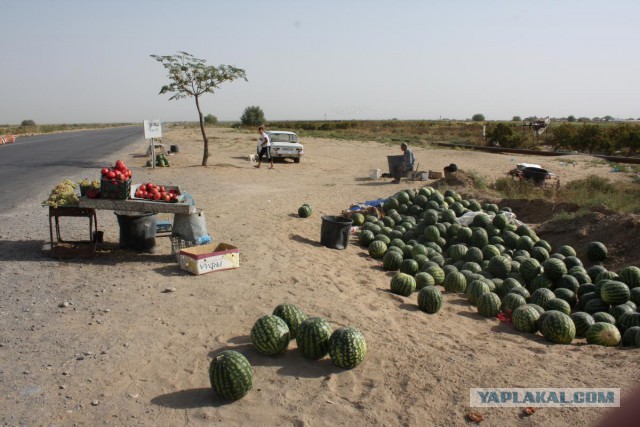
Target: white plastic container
[(375, 174)]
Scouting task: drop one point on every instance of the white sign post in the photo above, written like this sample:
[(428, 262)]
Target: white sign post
[(152, 130)]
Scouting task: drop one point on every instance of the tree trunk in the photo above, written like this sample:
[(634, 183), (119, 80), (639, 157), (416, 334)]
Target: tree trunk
[(205, 155)]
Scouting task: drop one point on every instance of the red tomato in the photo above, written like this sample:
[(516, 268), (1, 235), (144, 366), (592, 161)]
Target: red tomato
[(167, 198), (139, 194), (142, 187), (161, 189), (111, 174), (156, 196), (104, 171)]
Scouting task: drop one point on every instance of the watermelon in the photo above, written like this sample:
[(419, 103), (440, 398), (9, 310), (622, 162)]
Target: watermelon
[(630, 336), (630, 276), (614, 292), (489, 304), (523, 292), (475, 289), (554, 268), (628, 320), (539, 253), (572, 261), (634, 295), (540, 281), (524, 318), (357, 218), (510, 302), (270, 335), (366, 237), (403, 284), (458, 252), (305, 211), (566, 294), (292, 316), (436, 272), (423, 279), (569, 282), (499, 266), (542, 296), (601, 316), (313, 337), (594, 305), (230, 375), (455, 282), (391, 260), (529, 269), (603, 333), (582, 322), (409, 266), (559, 305), (430, 299), (479, 238), (618, 310), (597, 251), (558, 328), (377, 249), (347, 347)]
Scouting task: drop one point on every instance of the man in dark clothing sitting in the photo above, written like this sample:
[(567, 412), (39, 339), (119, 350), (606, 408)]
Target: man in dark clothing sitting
[(408, 160)]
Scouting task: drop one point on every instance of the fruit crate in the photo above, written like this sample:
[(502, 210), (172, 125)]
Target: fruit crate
[(113, 189)]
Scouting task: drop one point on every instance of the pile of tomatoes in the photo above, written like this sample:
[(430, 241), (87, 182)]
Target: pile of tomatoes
[(119, 172), (151, 191)]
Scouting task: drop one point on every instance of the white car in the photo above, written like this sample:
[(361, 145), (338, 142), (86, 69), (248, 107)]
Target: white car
[(285, 145)]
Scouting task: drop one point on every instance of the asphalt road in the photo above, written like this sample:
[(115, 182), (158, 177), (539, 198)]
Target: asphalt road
[(31, 166)]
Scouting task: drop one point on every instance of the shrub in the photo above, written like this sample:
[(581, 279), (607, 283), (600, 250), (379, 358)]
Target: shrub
[(478, 117), (252, 116), (504, 136), (210, 119), (26, 123)]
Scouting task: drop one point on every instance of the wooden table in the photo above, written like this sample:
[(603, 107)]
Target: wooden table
[(61, 248)]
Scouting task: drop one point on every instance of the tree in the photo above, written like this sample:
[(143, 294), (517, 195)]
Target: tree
[(516, 119), (210, 119), (253, 116), (571, 119), (478, 117), (191, 77), (502, 135), (26, 123), (564, 136)]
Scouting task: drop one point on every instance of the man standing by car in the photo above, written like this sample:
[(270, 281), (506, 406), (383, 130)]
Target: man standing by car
[(264, 147), (408, 159)]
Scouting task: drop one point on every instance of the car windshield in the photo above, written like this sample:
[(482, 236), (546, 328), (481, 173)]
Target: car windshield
[(283, 137)]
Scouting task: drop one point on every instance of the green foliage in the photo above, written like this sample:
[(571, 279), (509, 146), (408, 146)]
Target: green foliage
[(192, 77), (210, 119), (571, 119), (503, 135), (478, 117), (26, 123), (516, 119), (252, 116)]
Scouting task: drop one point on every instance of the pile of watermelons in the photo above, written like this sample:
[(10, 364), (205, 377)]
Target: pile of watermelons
[(230, 372), (161, 161), (502, 267)]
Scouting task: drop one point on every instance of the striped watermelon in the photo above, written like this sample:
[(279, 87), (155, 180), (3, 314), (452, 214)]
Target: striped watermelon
[(614, 292), (366, 237), (601, 316), (529, 269), (430, 299), (524, 318), (423, 279), (313, 337), (595, 305), (409, 266), (305, 211), (455, 282), (499, 266), (566, 250), (634, 295), (559, 305), (540, 281), (347, 347), (230, 375), (618, 310), (403, 284), (510, 302), (628, 320), (569, 282), (436, 272), (542, 296), (603, 333), (292, 316), (630, 276), (391, 260), (554, 268), (630, 336), (597, 251), (377, 249), (489, 305), (568, 295), (539, 253), (270, 335), (474, 255), (558, 328), (475, 289), (582, 322)]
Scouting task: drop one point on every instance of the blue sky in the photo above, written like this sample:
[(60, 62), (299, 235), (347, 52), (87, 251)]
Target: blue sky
[(80, 61)]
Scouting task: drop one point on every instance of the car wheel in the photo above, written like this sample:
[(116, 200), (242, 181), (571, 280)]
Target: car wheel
[(296, 160)]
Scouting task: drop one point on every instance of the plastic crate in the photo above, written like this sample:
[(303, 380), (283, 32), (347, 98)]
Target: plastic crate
[(178, 244), (113, 189)]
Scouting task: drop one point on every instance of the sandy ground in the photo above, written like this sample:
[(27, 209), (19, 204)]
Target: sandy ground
[(124, 352)]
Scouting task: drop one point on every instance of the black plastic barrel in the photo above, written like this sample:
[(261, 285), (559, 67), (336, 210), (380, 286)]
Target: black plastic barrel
[(174, 149), (335, 231), (137, 231), (394, 162)]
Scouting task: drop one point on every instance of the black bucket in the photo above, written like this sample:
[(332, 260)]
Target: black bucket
[(174, 149), (335, 231), (137, 231)]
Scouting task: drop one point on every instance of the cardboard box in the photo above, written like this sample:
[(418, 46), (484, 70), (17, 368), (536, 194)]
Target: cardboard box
[(207, 258), (435, 175)]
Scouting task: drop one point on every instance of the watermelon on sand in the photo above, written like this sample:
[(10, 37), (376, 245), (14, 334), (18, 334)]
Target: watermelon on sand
[(230, 375)]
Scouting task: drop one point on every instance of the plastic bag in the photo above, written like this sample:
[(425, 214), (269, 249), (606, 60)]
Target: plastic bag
[(191, 227)]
